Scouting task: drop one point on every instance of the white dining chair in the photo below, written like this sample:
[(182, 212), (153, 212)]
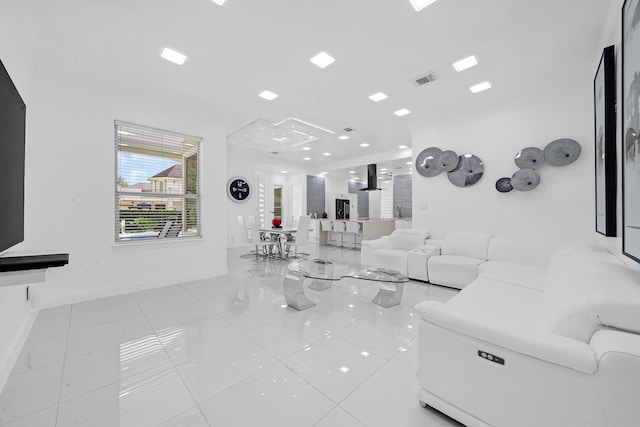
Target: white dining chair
[(302, 234), (245, 231), (287, 221), (260, 243)]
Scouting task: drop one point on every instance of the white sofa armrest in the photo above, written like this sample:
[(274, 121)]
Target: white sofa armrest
[(431, 245), (368, 247), (377, 243), (549, 347)]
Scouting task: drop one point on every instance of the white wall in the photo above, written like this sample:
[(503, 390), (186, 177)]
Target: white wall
[(69, 194), (16, 314), (562, 205), (251, 165)]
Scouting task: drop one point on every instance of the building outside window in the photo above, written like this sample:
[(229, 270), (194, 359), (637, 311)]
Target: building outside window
[(157, 184)]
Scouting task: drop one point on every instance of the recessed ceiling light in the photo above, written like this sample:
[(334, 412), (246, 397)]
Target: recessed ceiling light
[(402, 147), (326, 154), (322, 60), (283, 171), (465, 63), (324, 173), (268, 95), (408, 163), (418, 5), (480, 87), (343, 137), (364, 144), (306, 148), (280, 139), (352, 172), (401, 112), (307, 158), (173, 56), (383, 169), (219, 2), (377, 97)]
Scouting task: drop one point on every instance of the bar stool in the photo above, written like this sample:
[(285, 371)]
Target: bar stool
[(325, 225), (354, 228), (338, 233)]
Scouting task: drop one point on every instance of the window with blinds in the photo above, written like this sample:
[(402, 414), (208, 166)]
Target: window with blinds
[(157, 184)]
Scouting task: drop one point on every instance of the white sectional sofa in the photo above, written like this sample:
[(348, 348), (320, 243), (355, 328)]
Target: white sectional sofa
[(542, 337), (390, 252)]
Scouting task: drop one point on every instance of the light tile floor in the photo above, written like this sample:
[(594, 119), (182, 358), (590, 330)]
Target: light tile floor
[(225, 351)]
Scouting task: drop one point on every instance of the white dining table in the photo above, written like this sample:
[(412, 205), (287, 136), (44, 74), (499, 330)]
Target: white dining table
[(281, 237)]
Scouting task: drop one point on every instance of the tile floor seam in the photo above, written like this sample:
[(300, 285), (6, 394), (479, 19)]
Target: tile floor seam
[(64, 363), (175, 368), (144, 312), (213, 396)]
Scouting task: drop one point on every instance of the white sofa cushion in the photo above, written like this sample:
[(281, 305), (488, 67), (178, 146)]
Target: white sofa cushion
[(472, 245), (522, 251), (499, 303), (407, 239), (526, 275), (589, 288), (453, 270)]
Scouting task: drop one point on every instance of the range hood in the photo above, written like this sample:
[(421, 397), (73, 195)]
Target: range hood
[(372, 178)]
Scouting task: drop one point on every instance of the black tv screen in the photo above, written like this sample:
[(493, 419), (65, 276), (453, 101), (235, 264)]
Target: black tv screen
[(12, 139)]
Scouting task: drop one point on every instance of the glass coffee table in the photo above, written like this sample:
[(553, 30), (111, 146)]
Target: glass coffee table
[(323, 273)]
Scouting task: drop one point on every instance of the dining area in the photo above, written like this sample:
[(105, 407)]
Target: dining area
[(280, 241)]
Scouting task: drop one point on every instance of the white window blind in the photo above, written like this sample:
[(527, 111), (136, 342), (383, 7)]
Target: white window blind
[(386, 200), (157, 184)]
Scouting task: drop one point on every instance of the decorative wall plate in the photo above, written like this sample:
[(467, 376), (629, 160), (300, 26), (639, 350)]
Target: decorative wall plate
[(238, 189), (468, 171), (529, 158), (426, 162), (503, 185), (562, 152), (525, 180), (447, 161)]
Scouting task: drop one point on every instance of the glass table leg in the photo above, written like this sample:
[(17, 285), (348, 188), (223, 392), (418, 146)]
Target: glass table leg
[(389, 295), (294, 291)]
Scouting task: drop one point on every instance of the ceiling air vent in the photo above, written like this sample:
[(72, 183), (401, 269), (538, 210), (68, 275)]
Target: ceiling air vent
[(422, 80)]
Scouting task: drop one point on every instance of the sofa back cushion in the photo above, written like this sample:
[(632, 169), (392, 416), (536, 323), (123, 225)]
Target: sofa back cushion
[(406, 239), (472, 245), (589, 288), (522, 251)]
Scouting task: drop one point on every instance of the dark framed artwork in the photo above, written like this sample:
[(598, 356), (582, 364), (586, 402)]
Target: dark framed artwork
[(604, 102), (630, 129)]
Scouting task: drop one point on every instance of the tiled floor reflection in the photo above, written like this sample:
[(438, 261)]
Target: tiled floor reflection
[(226, 351)]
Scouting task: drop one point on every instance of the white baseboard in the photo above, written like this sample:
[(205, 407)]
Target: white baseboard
[(6, 366), (42, 302)]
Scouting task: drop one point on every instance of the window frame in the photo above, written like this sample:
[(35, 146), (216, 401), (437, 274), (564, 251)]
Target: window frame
[(184, 195)]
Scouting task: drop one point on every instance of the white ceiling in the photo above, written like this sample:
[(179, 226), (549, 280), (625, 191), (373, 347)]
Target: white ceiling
[(237, 50)]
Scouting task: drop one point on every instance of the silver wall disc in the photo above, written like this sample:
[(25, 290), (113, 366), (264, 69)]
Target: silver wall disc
[(427, 162), (529, 158), (525, 180), (562, 152), (468, 171)]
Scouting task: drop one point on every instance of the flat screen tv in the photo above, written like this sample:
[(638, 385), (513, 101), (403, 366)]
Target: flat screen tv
[(12, 139)]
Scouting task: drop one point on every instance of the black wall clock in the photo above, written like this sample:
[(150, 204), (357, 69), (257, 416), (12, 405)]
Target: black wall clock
[(238, 189)]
